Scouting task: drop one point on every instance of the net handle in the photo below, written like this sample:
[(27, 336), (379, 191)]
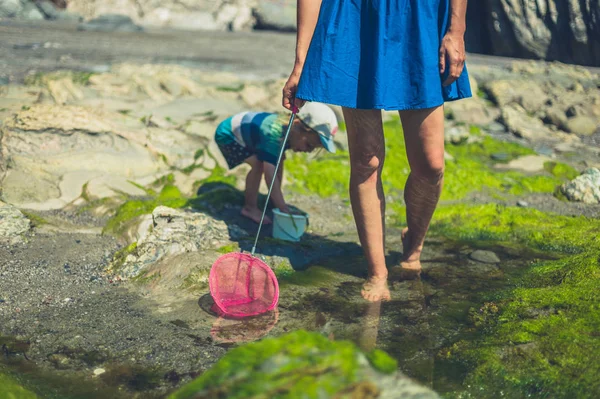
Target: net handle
[(262, 218)]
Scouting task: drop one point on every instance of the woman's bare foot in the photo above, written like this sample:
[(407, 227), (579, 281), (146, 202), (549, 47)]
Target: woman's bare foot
[(254, 214), (376, 289), (411, 262)]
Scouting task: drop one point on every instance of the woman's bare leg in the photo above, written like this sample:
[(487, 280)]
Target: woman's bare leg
[(424, 137), (367, 153)]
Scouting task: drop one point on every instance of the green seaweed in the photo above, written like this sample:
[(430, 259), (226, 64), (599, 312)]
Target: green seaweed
[(11, 389), (169, 196), (42, 78), (539, 335), (561, 170), (382, 361), (36, 220), (470, 170)]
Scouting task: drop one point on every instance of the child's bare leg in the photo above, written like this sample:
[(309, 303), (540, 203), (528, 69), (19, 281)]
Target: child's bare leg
[(253, 179), (367, 153), (424, 137)]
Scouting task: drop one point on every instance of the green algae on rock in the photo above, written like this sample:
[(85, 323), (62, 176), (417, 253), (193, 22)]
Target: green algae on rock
[(299, 364), (538, 337), (11, 389)]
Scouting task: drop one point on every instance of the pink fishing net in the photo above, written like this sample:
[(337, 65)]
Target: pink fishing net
[(242, 285)]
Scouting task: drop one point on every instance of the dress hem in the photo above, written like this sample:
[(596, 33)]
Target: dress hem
[(403, 107)]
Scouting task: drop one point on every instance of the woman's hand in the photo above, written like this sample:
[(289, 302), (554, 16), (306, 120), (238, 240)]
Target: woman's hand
[(289, 100), (452, 56)]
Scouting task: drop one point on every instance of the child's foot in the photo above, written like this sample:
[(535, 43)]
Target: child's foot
[(411, 262), (376, 289), (254, 214)]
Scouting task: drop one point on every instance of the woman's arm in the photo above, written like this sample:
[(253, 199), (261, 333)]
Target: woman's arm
[(306, 21), (452, 49)]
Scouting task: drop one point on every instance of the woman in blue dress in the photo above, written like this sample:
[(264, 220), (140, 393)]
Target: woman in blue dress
[(370, 55)]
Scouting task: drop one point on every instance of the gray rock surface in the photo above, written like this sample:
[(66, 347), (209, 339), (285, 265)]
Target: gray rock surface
[(12, 222), (584, 188), (10, 8), (110, 23), (275, 14), (564, 30), (175, 232)]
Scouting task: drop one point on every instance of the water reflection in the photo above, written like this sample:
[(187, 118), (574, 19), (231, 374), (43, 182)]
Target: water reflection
[(243, 330), (401, 327)]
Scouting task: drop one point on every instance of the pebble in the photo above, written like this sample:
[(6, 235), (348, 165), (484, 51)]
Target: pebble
[(99, 371), (545, 150), (484, 256), (496, 127), (522, 204), (500, 156)]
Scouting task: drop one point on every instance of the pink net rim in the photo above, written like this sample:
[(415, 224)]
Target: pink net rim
[(214, 291)]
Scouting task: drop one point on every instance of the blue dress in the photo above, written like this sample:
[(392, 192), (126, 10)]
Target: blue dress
[(379, 54)]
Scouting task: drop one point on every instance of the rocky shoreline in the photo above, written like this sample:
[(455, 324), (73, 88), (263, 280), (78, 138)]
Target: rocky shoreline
[(116, 203)]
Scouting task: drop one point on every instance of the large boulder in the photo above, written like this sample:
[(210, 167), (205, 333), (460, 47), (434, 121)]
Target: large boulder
[(173, 232), (564, 30), (54, 151)]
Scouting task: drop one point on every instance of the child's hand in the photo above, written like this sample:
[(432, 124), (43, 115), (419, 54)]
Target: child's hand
[(286, 209)]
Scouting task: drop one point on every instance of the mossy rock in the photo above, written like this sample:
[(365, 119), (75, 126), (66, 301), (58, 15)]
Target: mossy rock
[(297, 365)]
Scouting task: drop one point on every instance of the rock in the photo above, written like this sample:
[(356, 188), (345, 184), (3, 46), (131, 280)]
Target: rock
[(10, 8), (583, 125), (522, 204), (557, 117), (254, 96), (564, 30), (517, 121), (526, 93), (457, 134), (275, 14), (99, 371), (301, 356), (12, 222), (110, 23), (181, 14), (49, 10), (30, 12), (484, 256), (496, 127), (584, 188), (192, 20), (544, 150), (175, 232), (500, 156), (64, 91), (527, 163), (54, 151)]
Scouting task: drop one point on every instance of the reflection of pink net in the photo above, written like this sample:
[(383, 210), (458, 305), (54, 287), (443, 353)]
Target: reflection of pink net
[(242, 285), (236, 331)]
